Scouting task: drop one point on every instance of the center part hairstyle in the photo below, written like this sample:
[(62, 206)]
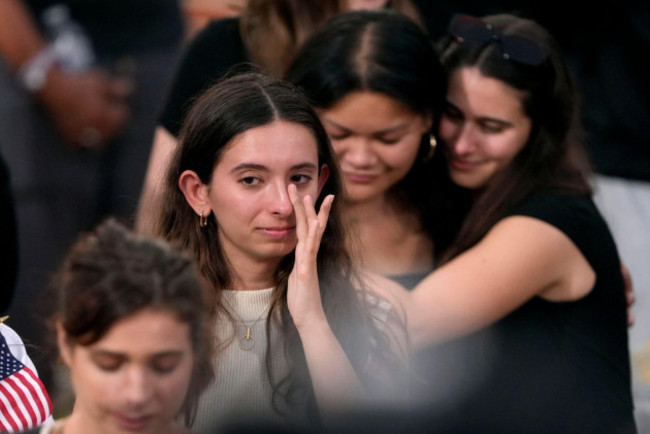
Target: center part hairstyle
[(522, 54), (383, 52), (232, 107), (229, 108), (110, 274)]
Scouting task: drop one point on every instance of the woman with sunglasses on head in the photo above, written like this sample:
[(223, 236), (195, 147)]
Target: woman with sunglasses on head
[(531, 262), (249, 193), (132, 327)]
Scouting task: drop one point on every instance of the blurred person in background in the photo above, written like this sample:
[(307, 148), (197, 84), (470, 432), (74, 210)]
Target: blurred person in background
[(80, 83)]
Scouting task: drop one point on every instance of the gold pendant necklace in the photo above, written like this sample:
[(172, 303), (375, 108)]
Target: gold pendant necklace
[(246, 342)]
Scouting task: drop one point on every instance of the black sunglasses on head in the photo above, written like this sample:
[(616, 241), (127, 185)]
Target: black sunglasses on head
[(478, 33)]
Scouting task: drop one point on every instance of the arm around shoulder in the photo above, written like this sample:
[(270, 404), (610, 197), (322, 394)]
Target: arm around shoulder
[(519, 258)]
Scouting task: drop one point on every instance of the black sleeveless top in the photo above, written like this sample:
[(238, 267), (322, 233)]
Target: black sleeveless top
[(560, 367)]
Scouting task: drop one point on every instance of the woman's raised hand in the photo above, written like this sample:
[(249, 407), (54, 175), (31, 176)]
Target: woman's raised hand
[(303, 295), (333, 377)]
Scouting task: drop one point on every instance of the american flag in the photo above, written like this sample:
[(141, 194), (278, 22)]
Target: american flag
[(24, 402)]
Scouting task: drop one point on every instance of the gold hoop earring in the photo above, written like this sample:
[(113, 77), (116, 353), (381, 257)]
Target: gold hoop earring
[(432, 146), (203, 220)]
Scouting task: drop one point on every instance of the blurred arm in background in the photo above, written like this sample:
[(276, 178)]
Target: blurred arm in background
[(87, 107)]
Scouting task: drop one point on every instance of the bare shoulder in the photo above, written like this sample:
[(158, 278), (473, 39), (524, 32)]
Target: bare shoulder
[(519, 258), (520, 247), (523, 234)]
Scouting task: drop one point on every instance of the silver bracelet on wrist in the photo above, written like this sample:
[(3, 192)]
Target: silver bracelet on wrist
[(33, 73)]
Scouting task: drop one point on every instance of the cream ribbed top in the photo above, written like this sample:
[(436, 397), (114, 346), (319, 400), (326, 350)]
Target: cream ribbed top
[(241, 390)]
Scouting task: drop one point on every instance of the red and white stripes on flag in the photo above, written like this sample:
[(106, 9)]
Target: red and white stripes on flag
[(24, 402)]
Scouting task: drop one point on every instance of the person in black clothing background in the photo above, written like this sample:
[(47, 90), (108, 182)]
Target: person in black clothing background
[(75, 127)]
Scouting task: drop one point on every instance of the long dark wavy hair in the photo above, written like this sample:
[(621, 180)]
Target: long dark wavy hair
[(231, 107), (387, 53), (111, 273), (553, 157)]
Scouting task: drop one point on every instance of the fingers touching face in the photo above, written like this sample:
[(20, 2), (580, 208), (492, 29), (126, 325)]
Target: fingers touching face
[(249, 190)]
